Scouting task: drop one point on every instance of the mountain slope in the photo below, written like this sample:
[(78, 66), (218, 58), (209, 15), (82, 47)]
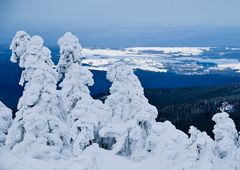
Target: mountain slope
[(192, 105)]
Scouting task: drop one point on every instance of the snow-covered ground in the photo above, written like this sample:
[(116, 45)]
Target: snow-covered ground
[(183, 60), (97, 159), (102, 160)]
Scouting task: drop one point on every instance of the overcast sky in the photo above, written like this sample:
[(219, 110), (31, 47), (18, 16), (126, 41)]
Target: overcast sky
[(118, 13), (44, 16)]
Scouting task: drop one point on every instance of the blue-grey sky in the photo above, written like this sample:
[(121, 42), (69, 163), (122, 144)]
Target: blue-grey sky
[(86, 13), (46, 16)]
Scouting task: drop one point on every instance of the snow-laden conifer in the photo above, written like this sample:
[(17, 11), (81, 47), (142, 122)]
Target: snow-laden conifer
[(132, 115), (70, 52), (225, 134), (5, 122), (18, 46), (38, 129), (84, 114), (199, 150)]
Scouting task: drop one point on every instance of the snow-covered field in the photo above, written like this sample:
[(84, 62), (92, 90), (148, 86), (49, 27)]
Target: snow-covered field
[(183, 60), (102, 160)]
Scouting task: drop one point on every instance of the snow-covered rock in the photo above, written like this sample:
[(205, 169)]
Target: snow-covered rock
[(166, 141)]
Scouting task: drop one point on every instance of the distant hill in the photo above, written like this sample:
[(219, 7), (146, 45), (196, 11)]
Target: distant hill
[(193, 105)]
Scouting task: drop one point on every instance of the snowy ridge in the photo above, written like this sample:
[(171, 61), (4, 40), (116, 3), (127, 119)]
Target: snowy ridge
[(65, 128)]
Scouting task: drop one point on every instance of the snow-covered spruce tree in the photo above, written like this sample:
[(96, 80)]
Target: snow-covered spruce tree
[(38, 128), (18, 46), (199, 153), (81, 107), (225, 134), (132, 115), (5, 122), (75, 77), (85, 115), (70, 52)]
